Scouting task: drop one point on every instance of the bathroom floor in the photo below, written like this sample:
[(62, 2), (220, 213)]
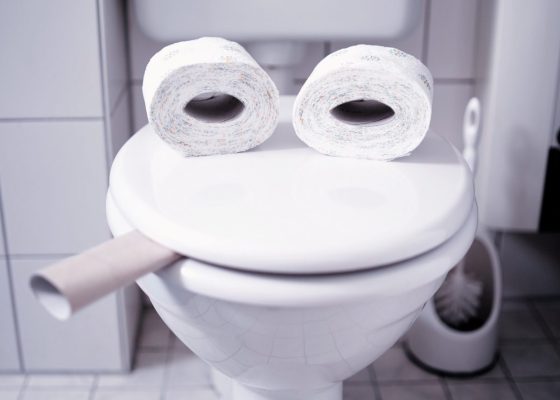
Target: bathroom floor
[(529, 368)]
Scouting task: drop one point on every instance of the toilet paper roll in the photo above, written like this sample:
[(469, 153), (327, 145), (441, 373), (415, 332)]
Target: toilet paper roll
[(209, 96), (365, 101)]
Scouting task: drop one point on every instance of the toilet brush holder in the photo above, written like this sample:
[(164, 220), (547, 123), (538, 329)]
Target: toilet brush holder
[(472, 349)]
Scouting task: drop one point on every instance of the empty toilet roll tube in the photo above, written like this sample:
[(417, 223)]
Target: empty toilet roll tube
[(73, 283)]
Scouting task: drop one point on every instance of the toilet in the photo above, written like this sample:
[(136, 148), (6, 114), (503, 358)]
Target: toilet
[(301, 268)]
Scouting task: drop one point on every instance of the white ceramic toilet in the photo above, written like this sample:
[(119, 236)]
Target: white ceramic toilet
[(302, 268)]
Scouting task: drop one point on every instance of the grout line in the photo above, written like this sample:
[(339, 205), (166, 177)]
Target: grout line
[(373, 381), (50, 119), (93, 389), (11, 294), (544, 326), (509, 378), (426, 33), (35, 256), (446, 391)]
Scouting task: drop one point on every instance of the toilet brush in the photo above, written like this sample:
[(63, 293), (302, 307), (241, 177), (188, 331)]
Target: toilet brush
[(73, 283), (456, 333), (458, 299)]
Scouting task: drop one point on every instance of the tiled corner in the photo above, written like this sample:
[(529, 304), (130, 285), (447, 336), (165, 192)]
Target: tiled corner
[(394, 366), (430, 391), (452, 38), (482, 391), (50, 51), (54, 182)]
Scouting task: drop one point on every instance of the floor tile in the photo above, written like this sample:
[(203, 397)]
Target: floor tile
[(55, 394), (540, 390), (11, 380), (550, 311), (186, 369), (519, 323), (154, 334), (59, 380), (361, 377), (127, 394), (191, 394), (531, 360), (430, 391), (482, 391), (358, 392), (495, 373), (394, 365), (9, 394), (148, 372)]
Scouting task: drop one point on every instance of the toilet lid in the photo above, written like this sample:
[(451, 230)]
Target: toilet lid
[(283, 207)]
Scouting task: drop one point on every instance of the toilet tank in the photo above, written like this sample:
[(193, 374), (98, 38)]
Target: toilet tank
[(258, 20)]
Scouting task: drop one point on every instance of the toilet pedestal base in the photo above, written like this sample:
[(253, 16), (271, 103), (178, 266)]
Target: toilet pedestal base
[(241, 392)]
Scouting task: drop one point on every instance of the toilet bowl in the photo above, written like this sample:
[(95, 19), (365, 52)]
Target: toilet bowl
[(302, 269)]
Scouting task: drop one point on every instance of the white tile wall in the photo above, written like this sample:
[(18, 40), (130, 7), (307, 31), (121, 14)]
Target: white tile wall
[(411, 42), (89, 341), (119, 130), (50, 59), (54, 181), (451, 38), (139, 118)]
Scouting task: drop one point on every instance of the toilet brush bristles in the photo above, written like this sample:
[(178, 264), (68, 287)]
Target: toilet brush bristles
[(458, 299)]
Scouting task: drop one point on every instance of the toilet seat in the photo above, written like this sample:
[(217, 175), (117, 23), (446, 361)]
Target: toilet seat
[(285, 208), (289, 290)]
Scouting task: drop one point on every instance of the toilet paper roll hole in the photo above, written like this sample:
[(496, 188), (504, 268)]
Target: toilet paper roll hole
[(214, 107), (363, 112)]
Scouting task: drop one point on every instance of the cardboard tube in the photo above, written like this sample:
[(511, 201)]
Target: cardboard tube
[(73, 283)]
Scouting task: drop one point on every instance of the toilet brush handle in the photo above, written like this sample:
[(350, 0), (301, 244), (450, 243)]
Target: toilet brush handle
[(73, 283)]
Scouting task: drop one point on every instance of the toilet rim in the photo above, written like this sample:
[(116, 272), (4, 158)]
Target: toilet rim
[(290, 290)]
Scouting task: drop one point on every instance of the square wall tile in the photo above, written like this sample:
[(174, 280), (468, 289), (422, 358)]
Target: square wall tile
[(411, 42), (54, 182), (9, 394), (2, 226), (452, 38), (450, 100), (89, 341), (50, 59)]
